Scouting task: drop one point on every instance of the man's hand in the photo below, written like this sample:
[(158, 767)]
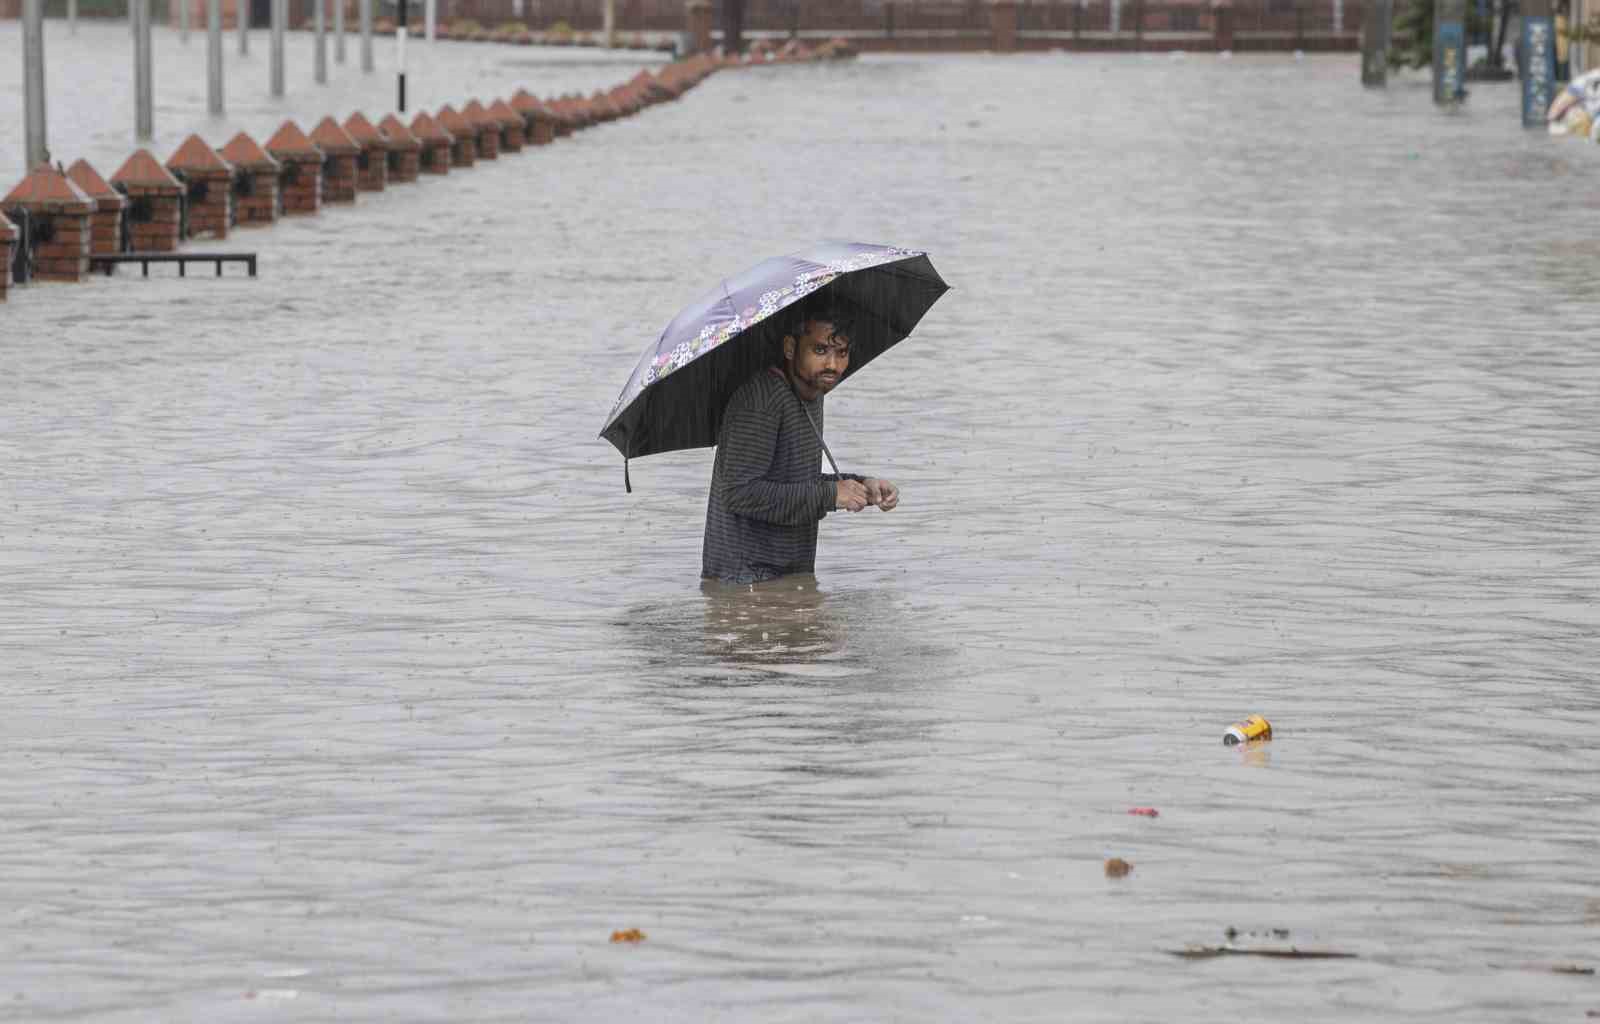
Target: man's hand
[(883, 494), (851, 495)]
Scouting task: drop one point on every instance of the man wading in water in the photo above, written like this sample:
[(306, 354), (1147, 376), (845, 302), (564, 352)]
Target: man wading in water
[(767, 490)]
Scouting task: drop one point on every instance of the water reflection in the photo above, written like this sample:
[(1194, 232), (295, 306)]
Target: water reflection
[(782, 624)]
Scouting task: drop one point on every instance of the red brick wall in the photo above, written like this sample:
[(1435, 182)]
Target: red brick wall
[(405, 165), (439, 159), (160, 232), (212, 214), (372, 177), (261, 205), (339, 179)]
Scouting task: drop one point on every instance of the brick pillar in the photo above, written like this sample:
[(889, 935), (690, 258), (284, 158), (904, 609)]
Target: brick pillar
[(372, 164), (209, 181), (487, 129), (1003, 26), (8, 243), (255, 187), (106, 224), (339, 156), (1222, 24), (60, 212), (464, 151), (538, 126), (155, 203), (436, 144), (513, 135), (697, 22), (405, 150), (300, 183)]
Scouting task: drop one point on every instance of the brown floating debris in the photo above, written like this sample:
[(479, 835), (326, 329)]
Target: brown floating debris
[(1116, 867), (628, 935)]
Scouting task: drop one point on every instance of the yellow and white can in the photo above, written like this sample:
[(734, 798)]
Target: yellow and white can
[(1251, 730)]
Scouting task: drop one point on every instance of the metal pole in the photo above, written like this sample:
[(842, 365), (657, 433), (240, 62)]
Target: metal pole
[(1375, 43), (144, 120), (278, 12), (241, 8), (183, 21), (364, 11), (72, 16), (1338, 17), (321, 62), (611, 23), (430, 16), (214, 57), (338, 31), (38, 148), (400, 54)]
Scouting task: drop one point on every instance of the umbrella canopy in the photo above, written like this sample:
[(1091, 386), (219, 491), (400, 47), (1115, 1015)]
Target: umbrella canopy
[(1576, 108), (677, 393)]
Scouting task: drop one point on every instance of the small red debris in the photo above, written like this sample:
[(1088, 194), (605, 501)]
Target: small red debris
[(628, 935), (1145, 812)]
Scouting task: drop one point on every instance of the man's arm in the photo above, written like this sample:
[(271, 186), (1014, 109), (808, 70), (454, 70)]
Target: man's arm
[(751, 435)]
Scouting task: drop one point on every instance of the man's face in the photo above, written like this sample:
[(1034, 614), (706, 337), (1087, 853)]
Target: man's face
[(816, 358)]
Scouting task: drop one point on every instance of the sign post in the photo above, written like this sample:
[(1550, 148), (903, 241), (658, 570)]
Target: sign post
[(1449, 51), (1539, 50), (400, 53)]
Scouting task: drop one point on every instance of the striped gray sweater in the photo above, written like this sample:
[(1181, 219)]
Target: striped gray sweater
[(767, 489)]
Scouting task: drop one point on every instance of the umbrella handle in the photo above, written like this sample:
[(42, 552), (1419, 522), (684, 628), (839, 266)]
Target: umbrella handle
[(817, 432)]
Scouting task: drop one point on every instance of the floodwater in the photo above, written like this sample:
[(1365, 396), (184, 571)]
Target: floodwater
[(344, 682)]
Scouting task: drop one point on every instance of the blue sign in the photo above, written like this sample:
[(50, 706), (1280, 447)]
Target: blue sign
[(1449, 61), (1539, 79)]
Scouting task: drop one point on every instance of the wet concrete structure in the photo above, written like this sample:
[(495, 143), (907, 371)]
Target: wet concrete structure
[(155, 203), (208, 181), (255, 183)]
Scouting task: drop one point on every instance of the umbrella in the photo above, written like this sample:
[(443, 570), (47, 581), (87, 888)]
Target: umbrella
[(1576, 108), (677, 393)]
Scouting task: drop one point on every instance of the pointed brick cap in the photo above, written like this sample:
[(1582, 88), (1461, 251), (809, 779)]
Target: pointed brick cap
[(363, 132), (454, 123), (399, 136), (290, 141), (426, 129), (332, 139), (525, 100), (243, 153), (501, 110), (141, 170), (83, 175), (47, 190), (479, 115), (8, 233), (196, 157)]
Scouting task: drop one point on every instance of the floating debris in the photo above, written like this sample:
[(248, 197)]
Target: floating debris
[(1116, 867), (1252, 730), (1572, 969), (1145, 812), (628, 935), (1279, 953)]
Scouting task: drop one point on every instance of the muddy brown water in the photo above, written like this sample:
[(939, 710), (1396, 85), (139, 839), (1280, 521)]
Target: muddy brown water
[(344, 682)]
